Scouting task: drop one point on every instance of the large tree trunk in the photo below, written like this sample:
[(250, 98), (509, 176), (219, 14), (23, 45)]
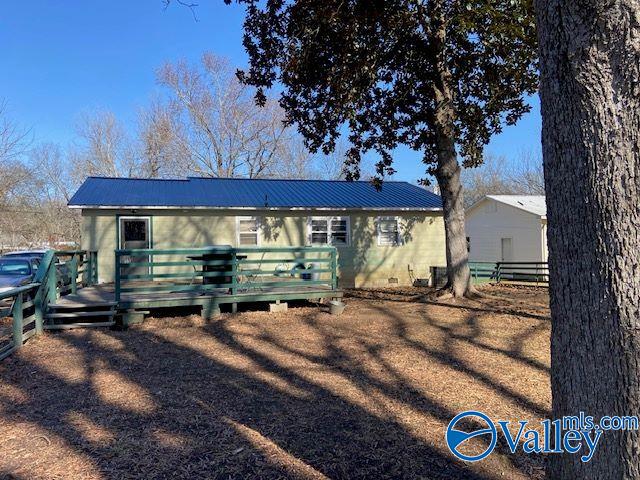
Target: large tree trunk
[(590, 60), (448, 176), (448, 169)]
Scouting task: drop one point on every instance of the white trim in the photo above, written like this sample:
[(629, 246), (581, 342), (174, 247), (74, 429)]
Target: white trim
[(134, 217), (329, 219), (254, 209), (379, 231), (258, 225)]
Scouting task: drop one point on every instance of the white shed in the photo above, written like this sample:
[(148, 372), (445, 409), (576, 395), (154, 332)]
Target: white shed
[(507, 228)]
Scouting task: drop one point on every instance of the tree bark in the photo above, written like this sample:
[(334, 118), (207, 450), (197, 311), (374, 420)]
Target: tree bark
[(590, 69), (448, 176), (448, 169)]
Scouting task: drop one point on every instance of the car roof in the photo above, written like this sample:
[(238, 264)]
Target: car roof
[(24, 253)]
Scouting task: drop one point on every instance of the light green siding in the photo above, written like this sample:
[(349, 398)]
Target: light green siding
[(361, 263)]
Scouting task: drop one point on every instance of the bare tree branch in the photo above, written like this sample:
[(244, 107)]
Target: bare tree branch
[(191, 6)]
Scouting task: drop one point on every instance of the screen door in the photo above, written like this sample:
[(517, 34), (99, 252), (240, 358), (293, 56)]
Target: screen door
[(135, 233)]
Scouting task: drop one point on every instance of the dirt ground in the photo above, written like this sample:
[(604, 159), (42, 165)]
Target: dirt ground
[(301, 394)]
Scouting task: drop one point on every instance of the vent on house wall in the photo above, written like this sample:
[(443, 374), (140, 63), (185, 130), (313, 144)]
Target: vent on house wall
[(393, 280)]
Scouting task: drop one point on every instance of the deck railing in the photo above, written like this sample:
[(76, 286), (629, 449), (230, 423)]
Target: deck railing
[(216, 269), (76, 268), (59, 273), (18, 304)]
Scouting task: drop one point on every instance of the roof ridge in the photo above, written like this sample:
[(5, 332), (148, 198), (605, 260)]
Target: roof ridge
[(295, 180), (105, 177), (189, 178)]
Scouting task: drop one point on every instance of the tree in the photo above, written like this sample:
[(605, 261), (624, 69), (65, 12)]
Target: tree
[(49, 191), (104, 148), (159, 135), (497, 176), (217, 127), (440, 76), (13, 142), (590, 69)]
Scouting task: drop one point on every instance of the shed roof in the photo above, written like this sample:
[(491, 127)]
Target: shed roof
[(193, 192), (535, 204)]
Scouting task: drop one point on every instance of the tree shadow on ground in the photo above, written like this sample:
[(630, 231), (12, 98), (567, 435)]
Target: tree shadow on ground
[(235, 400), (503, 305)]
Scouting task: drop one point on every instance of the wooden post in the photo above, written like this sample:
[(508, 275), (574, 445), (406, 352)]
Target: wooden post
[(17, 321), (85, 263), (52, 282), (498, 273), (38, 311), (334, 268), (211, 310), (46, 280), (73, 268), (94, 256), (117, 279), (234, 272)]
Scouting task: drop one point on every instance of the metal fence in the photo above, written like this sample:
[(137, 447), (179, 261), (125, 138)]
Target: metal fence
[(499, 272)]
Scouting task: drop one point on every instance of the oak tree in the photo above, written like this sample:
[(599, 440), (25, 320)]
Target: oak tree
[(590, 97), (439, 76)]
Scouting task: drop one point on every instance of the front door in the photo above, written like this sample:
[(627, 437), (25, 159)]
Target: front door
[(135, 233)]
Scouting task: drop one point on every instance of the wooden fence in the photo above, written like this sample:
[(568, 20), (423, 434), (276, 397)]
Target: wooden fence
[(217, 269), (59, 273)]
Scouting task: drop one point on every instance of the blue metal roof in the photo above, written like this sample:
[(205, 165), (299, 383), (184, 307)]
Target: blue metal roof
[(251, 193)]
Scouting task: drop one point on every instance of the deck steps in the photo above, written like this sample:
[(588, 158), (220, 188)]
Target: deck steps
[(75, 305), (68, 326), (100, 313), (64, 316)]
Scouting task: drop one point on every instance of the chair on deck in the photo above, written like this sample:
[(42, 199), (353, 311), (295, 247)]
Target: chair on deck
[(248, 279)]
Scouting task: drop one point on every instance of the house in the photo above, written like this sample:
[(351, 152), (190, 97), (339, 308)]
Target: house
[(391, 236), (507, 228)]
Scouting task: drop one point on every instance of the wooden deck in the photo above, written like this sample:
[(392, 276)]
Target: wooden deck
[(104, 295)]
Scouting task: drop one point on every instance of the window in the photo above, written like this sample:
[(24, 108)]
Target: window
[(248, 229), (329, 231), (388, 231)]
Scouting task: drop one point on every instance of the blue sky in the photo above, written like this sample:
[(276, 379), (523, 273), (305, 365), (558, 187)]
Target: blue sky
[(59, 59)]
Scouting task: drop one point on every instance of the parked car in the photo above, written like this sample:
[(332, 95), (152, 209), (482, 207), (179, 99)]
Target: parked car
[(16, 272), (64, 274)]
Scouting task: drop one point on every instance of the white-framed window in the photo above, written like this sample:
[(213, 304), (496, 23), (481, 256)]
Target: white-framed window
[(329, 231), (248, 231), (388, 231)]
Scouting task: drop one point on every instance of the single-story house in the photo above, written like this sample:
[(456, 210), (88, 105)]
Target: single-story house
[(507, 228), (391, 236)]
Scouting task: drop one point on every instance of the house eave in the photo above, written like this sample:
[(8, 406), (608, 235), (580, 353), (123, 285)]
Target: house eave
[(276, 209)]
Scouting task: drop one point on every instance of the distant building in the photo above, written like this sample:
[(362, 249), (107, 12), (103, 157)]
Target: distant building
[(507, 228)]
